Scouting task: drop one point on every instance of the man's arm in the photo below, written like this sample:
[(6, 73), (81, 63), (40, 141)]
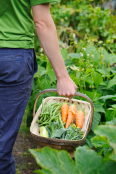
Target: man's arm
[(47, 35)]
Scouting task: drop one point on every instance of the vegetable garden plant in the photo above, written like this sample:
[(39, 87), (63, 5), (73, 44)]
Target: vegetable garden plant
[(89, 53)]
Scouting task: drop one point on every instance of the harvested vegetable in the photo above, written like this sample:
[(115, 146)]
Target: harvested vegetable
[(64, 112), (71, 133), (70, 118), (72, 109), (79, 118), (43, 132), (50, 112)]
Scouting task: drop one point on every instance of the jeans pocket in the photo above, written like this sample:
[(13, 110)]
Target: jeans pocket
[(16, 66)]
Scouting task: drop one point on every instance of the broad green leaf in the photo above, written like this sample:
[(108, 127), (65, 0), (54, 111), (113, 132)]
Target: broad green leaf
[(96, 120), (103, 72), (95, 57), (109, 131), (113, 69), (114, 106), (57, 162), (105, 53), (44, 84), (114, 36), (87, 161), (43, 171), (93, 95), (110, 114), (100, 141), (64, 53), (112, 122), (107, 97), (90, 49), (103, 84), (108, 167), (88, 141), (89, 80), (41, 70), (112, 82), (74, 55), (97, 78), (111, 59), (51, 75), (98, 108), (88, 70)]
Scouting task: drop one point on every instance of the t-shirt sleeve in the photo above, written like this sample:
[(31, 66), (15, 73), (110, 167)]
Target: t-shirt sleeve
[(37, 2)]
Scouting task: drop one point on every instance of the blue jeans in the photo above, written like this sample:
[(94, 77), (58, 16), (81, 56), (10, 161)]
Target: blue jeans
[(17, 67)]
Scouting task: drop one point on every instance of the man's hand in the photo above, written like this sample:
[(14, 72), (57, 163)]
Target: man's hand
[(66, 87)]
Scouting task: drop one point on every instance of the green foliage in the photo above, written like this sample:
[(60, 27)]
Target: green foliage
[(55, 130), (84, 17), (86, 161)]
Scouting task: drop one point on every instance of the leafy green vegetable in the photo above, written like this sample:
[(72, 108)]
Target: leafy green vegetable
[(55, 130), (52, 127)]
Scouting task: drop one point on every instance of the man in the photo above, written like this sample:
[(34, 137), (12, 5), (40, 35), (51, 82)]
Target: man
[(18, 64)]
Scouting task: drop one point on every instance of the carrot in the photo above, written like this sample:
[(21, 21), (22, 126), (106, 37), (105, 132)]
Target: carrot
[(79, 118), (64, 112), (72, 109), (71, 113)]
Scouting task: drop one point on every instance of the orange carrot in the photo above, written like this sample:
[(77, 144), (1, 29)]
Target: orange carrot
[(72, 109), (64, 112), (70, 118), (79, 118)]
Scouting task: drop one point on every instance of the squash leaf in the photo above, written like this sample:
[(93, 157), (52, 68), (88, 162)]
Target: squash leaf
[(96, 120), (57, 162), (87, 161), (109, 131)]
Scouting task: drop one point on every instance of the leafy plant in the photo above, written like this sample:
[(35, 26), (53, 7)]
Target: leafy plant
[(86, 160)]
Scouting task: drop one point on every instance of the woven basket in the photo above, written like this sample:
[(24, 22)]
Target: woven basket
[(68, 145)]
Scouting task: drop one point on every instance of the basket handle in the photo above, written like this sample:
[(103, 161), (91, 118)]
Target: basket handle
[(55, 90)]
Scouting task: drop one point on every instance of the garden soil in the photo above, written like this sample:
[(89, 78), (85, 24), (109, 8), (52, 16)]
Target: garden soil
[(25, 163)]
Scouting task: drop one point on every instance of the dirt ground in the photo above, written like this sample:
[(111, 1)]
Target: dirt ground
[(25, 163)]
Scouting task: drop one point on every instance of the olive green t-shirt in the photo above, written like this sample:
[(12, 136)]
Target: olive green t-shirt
[(16, 23)]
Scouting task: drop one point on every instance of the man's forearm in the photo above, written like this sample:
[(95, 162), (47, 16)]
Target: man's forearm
[(48, 38)]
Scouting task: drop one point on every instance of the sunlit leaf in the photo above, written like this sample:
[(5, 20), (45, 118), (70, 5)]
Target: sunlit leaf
[(112, 82), (51, 75), (55, 161), (96, 120), (100, 141), (110, 114), (97, 78), (74, 55), (41, 70), (64, 53), (109, 131), (107, 97), (44, 84), (98, 107), (87, 161), (90, 49)]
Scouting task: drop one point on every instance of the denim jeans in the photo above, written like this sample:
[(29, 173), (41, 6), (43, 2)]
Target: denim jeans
[(17, 67)]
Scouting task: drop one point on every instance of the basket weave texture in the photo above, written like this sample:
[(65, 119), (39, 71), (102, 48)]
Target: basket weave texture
[(60, 143)]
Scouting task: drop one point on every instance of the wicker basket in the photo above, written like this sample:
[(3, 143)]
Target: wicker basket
[(68, 145)]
